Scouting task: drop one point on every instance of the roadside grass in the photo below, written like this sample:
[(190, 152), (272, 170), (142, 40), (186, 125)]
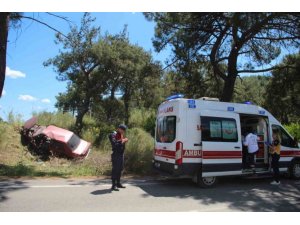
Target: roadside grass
[(16, 160)]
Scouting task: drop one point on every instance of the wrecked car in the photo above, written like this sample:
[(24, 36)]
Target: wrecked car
[(52, 140)]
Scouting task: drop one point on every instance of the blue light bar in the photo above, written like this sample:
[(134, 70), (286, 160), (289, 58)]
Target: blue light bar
[(174, 97), (248, 103)]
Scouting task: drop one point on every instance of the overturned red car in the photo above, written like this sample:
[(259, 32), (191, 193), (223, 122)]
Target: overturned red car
[(51, 140)]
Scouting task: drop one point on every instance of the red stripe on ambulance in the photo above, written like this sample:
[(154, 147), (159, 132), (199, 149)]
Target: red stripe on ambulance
[(199, 154), (164, 153), (221, 154), (289, 153)]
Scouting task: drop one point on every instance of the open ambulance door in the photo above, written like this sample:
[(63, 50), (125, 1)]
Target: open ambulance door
[(221, 143)]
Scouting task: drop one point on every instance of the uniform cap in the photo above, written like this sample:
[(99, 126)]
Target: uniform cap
[(122, 126)]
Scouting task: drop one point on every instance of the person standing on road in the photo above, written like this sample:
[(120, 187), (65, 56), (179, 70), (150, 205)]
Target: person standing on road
[(251, 143), (275, 154), (117, 140)]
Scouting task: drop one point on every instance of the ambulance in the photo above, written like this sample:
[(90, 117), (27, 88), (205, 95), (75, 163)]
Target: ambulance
[(203, 139)]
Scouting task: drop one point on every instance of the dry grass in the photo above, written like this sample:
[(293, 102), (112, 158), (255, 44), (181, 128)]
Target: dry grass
[(15, 159)]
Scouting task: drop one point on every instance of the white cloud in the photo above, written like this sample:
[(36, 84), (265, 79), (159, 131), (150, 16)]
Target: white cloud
[(3, 92), (45, 100), (14, 74), (27, 98)]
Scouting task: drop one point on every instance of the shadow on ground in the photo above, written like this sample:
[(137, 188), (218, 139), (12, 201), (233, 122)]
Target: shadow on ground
[(20, 169), (101, 192), (240, 194), (9, 185)]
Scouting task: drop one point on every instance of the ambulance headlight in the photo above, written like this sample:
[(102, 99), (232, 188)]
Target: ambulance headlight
[(176, 167)]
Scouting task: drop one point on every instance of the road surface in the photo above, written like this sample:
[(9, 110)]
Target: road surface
[(154, 195)]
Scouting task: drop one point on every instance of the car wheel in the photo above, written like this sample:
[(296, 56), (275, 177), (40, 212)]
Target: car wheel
[(295, 170), (206, 182)]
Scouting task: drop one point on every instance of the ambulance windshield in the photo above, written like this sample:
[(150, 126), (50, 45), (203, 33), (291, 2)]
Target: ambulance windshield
[(166, 129)]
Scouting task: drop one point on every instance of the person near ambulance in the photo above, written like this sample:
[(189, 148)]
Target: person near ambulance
[(275, 154), (117, 140), (251, 143)]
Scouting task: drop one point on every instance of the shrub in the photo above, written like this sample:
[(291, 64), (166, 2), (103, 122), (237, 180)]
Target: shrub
[(138, 154), (3, 133), (59, 119), (143, 118), (15, 119), (294, 130)]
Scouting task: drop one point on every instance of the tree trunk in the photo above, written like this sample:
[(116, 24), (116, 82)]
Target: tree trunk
[(126, 106), (4, 20), (110, 108), (81, 114), (228, 89), (79, 123), (232, 73)]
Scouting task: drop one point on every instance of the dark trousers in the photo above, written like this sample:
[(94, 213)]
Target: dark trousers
[(251, 157), (117, 167), (245, 157), (275, 166)]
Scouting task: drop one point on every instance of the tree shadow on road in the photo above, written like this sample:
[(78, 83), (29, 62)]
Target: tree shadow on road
[(239, 194), (9, 185)]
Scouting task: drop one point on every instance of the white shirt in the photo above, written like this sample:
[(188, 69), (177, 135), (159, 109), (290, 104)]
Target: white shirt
[(251, 142)]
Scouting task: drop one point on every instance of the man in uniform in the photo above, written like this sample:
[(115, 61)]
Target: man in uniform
[(117, 141)]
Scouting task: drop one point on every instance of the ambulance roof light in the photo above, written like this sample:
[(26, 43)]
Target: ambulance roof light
[(248, 103), (174, 97)]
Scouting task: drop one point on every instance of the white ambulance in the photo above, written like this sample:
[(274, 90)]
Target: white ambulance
[(202, 139)]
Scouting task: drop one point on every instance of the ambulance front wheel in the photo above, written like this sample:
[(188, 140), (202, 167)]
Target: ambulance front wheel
[(206, 182), (295, 170)]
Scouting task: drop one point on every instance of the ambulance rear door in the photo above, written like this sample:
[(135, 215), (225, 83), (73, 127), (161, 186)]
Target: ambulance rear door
[(221, 143)]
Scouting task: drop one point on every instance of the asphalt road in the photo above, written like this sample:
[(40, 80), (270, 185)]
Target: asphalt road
[(158, 195)]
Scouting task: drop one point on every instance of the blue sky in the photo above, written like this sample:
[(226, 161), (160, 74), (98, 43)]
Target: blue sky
[(29, 86)]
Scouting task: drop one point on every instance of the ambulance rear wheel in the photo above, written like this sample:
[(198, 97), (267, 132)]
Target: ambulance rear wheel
[(206, 182)]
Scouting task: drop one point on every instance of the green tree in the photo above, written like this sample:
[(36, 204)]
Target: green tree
[(77, 64), (244, 42), (251, 88), (283, 91), (128, 69)]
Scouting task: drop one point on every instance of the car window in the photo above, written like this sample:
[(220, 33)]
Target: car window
[(73, 142)]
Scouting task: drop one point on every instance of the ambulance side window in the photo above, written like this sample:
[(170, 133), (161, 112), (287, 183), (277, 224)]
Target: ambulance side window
[(218, 129), (166, 129)]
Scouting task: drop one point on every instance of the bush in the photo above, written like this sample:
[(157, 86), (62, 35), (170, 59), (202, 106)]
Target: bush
[(59, 119), (294, 130), (149, 125), (3, 134), (143, 118), (139, 149), (14, 119)]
